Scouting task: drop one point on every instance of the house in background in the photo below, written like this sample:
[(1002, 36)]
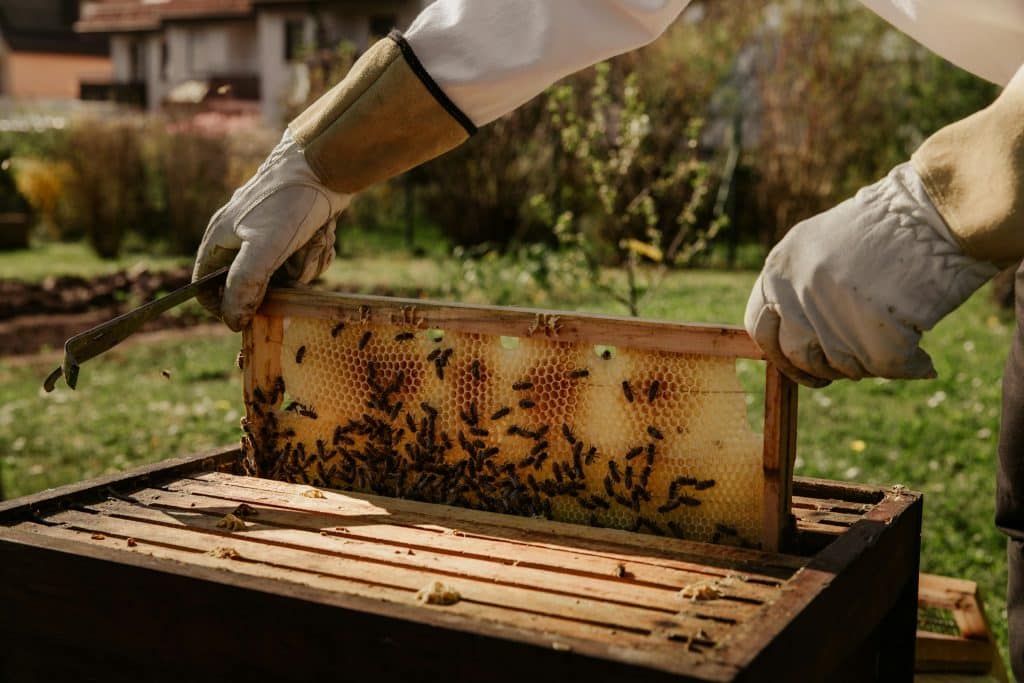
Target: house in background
[(237, 55), (41, 56)]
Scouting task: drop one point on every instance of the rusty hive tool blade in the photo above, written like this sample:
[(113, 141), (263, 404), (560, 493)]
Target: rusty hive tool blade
[(105, 336)]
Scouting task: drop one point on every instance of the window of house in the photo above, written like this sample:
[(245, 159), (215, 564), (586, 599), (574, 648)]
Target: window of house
[(294, 38), (381, 25)]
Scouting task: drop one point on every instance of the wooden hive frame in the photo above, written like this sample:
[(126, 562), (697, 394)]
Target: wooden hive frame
[(262, 342)]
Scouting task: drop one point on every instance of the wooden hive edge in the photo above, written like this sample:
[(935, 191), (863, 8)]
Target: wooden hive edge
[(567, 326)]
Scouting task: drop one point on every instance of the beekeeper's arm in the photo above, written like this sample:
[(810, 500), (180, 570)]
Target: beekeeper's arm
[(462, 64), (847, 294)]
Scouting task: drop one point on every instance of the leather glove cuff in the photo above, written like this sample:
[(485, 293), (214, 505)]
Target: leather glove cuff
[(385, 117), (974, 172)]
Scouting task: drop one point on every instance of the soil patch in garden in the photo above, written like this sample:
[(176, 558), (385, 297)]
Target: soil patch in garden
[(36, 316)]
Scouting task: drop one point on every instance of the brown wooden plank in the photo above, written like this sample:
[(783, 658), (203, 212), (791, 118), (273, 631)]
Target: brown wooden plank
[(830, 530), (207, 461), (655, 335), (420, 526), (588, 610), (651, 585), (831, 590), (831, 504), (686, 555), (948, 654), (342, 584), (48, 583), (456, 565), (780, 412), (811, 487), (826, 517), (963, 598)]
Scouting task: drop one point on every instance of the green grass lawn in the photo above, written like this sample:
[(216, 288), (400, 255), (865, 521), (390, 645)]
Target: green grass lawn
[(938, 437), (75, 258)]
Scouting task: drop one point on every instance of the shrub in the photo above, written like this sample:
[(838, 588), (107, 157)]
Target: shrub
[(106, 187), (842, 97), (650, 207), (142, 176), (189, 180), (44, 185), (481, 191)]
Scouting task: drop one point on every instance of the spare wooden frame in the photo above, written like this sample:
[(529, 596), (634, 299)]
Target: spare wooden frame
[(261, 359)]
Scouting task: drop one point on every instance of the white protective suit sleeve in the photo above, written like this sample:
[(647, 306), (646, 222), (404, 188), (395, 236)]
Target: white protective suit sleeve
[(490, 56), (985, 37)]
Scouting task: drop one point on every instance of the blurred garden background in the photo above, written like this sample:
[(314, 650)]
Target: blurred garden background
[(652, 184)]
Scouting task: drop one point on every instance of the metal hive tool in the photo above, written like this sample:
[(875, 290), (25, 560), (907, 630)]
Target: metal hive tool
[(513, 412)]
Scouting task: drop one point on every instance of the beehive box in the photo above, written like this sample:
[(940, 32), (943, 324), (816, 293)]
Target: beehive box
[(183, 571), (610, 422)]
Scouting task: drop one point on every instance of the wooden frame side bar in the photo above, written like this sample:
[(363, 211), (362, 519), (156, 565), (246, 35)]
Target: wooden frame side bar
[(779, 455), (261, 356), (261, 367), (711, 340)]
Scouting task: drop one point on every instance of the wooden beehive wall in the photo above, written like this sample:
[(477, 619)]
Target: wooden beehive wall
[(593, 419)]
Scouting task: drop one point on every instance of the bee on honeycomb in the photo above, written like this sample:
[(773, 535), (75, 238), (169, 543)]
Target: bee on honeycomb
[(651, 441)]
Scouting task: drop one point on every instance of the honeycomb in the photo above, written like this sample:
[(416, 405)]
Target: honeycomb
[(649, 441)]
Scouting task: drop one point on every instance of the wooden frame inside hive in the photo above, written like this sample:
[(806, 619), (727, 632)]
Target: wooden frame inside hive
[(295, 339)]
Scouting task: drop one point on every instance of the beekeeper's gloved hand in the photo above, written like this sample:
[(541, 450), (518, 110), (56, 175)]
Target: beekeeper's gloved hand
[(383, 118), (282, 217), (847, 294)]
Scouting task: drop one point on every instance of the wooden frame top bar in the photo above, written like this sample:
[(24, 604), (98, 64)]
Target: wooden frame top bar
[(652, 335)]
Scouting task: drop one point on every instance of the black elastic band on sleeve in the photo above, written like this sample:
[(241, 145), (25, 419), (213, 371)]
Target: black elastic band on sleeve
[(417, 68)]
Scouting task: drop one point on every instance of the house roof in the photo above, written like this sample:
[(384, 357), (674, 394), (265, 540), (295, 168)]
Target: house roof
[(112, 16), (46, 26)]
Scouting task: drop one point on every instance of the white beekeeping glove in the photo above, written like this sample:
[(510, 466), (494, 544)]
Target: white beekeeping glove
[(847, 294), (283, 216), (385, 117)]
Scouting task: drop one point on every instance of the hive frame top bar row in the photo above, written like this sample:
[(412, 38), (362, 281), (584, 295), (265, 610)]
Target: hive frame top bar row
[(652, 335), (729, 341)]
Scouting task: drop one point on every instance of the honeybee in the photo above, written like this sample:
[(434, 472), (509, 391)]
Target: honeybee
[(404, 336), (652, 392), (523, 385), (365, 339), (500, 413), (579, 374), (627, 390), (633, 452), (337, 328), (669, 506), (567, 433)]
